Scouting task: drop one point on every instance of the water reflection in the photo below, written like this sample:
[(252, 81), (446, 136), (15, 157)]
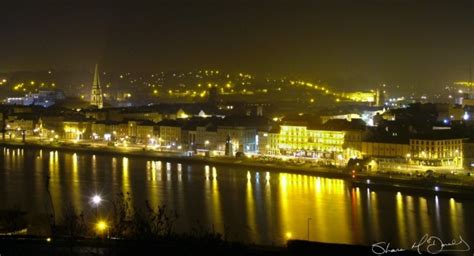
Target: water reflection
[(76, 190), (283, 209), (256, 205), (250, 202), (125, 175), (153, 182), (216, 203)]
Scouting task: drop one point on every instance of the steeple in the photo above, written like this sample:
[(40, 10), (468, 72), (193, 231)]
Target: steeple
[(96, 93), (96, 81)]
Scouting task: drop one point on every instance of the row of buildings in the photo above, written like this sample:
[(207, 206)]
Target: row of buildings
[(335, 141)]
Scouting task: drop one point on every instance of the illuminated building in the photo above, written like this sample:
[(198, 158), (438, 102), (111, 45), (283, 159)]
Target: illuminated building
[(468, 154), (26, 122), (76, 130), (41, 98), (96, 93), (170, 133), (381, 149), (336, 139), (438, 149), (269, 142), (294, 138), (369, 97), (206, 136), (141, 131), (243, 138)]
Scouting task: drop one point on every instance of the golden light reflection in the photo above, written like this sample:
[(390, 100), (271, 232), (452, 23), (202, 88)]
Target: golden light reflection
[(214, 173), (356, 211), (251, 218), (438, 214), (455, 216), (76, 190), (54, 179), (216, 206), (401, 223), (94, 166), (168, 172), (114, 169), (306, 184), (318, 185), (125, 176), (53, 165), (409, 212), (159, 168), (424, 219), (269, 202), (206, 171), (284, 207), (153, 183), (374, 210)]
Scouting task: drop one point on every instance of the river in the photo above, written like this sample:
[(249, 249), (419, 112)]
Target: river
[(249, 204)]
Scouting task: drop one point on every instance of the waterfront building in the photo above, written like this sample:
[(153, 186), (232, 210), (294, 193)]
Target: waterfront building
[(76, 129), (109, 130), (336, 139), (206, 136), (144, 131), (468, 154), (170, 133), (242, 138), (268, 141), (22, 123), (386, 149), (441, 148)]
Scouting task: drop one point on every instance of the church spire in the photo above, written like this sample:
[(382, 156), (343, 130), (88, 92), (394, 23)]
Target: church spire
[(96, 93), (96, 81)]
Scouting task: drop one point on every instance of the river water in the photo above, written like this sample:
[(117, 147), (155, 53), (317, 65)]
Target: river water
[(250, 204)]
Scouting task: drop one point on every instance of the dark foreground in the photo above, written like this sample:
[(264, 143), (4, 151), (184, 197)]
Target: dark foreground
[(60, 247)]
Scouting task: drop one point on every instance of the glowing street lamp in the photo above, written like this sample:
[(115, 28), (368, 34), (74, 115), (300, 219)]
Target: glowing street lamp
[(96, 200), (101, 227)]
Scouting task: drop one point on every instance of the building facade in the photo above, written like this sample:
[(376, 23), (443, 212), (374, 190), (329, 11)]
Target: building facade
[(437, 152)]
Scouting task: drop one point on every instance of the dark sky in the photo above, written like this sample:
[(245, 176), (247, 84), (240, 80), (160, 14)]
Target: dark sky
[(424, 43)]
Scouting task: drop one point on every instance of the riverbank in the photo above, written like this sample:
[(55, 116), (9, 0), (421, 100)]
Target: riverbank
[(456, 185)]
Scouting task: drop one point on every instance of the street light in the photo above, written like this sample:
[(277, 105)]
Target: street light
[(101, 227), (96, 200)]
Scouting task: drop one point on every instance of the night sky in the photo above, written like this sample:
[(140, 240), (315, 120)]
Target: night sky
[(411, 43)]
